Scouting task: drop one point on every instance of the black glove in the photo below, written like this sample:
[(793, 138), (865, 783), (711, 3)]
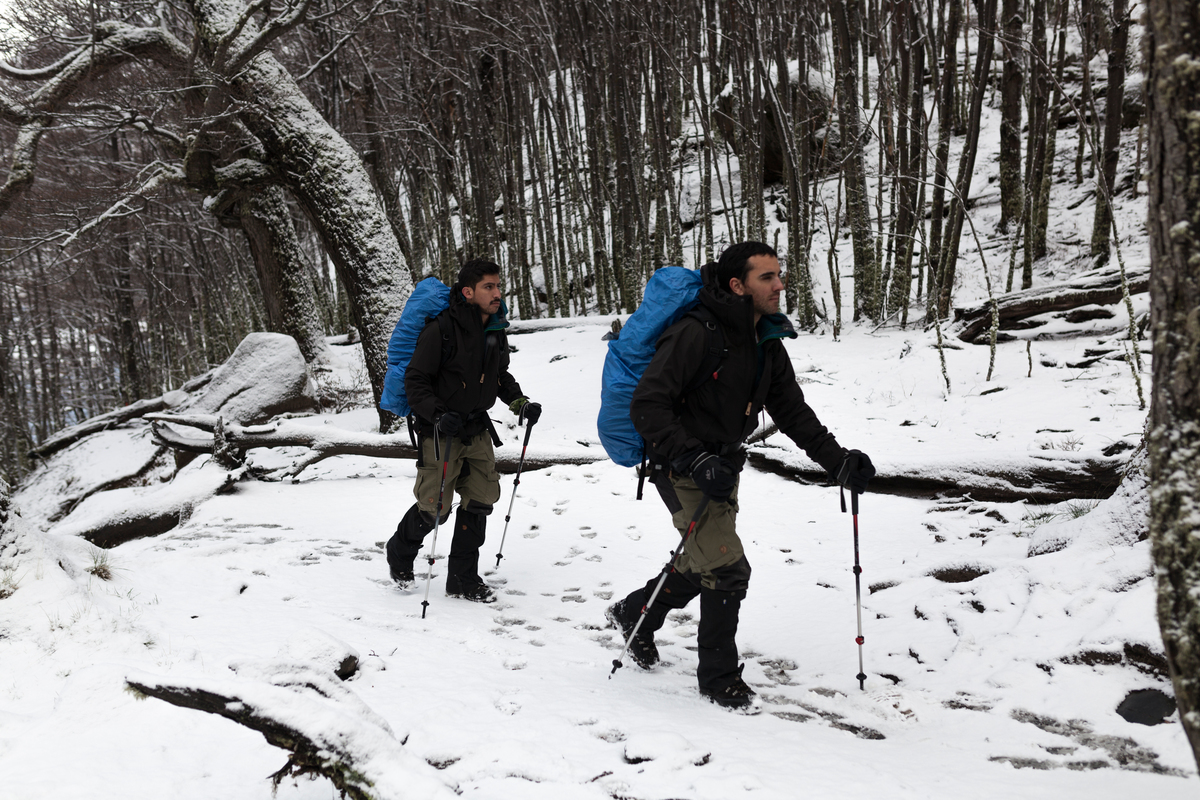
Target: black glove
[(715, 476), (855, 471), (530, 413), (448, 422)]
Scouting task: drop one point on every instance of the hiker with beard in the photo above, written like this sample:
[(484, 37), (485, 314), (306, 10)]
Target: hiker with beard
[(694, 434), (458, 369)]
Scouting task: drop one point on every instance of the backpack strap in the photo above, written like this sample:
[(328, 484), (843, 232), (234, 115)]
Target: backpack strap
[(715, 350), (446, 328)]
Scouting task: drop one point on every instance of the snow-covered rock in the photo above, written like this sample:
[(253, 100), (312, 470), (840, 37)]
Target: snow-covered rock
[(264, 376)]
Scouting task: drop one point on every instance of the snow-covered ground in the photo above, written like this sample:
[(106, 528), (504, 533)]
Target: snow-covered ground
[(1004, 685)]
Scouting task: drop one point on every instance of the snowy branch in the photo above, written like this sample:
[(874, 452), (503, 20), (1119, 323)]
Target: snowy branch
[(243, 172), (24, 163), (325, 728), (164, 175), (321, 441), (37, 74), (115, 44), (103, 422)]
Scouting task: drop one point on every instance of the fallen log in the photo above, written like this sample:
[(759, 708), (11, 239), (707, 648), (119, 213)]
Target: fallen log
[(108, 519), (111, 419), (1036, 477), (1093, 288), (325, 728), (322, 442), (101, 422)]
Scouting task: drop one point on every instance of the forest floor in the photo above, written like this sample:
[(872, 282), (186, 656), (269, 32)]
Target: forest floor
[(1005, 684)]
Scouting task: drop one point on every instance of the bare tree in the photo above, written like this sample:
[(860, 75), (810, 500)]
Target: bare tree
[(247, 125)]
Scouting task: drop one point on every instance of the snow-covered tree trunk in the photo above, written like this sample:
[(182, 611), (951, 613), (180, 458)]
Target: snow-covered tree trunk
[(1173, 104), (283, 270), (320, 167)]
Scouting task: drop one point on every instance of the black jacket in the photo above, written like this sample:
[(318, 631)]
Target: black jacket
[(722, 411), (472, 373)]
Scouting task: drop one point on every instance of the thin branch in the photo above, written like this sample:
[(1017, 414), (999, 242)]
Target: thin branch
[(338, 45), (272, 31)]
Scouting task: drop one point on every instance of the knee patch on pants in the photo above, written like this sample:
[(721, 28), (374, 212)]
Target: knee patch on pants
[(734, 577), (427, 520), (473, 506)]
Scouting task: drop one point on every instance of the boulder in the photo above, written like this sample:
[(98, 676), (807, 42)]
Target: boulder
[(263, 377)]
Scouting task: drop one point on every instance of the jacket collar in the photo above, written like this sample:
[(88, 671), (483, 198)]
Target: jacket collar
[(468, 314), (775, 326)]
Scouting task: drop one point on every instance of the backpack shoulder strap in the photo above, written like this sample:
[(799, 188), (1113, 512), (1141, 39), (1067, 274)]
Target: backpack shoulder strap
[(715, 349), (446, 329)]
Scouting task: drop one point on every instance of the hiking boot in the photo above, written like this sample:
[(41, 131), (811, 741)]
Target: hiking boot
[(642, 650), (737, 696), (403, 577), (473, 589)]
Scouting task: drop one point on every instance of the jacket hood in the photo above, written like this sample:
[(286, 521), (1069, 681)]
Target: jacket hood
[(734, 312)]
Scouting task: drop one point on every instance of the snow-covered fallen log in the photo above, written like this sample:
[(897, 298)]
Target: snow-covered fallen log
[(1039, 477), (103, 422), (107, 519), (1093, 288), (324, 441), (325, 728)]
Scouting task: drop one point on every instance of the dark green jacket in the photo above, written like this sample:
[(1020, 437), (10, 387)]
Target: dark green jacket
[(719, 414)]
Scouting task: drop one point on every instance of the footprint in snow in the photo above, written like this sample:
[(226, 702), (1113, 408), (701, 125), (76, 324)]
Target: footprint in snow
[(506, 706), (776, 669)]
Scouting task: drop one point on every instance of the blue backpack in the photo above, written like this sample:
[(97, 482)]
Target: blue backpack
[(430, 298), (671, 294)]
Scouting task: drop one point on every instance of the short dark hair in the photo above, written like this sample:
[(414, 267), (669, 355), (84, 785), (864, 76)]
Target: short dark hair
[(735, 261), (474, 271)]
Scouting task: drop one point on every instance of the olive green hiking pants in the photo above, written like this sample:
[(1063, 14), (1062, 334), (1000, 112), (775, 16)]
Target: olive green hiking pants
[(470, 471)]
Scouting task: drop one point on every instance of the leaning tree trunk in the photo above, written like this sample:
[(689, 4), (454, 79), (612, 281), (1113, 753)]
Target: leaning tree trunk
[(322, 170), (1172, 104), (282, 268)]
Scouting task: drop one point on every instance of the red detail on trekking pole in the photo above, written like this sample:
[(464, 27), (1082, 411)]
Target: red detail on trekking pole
[(859, 640)]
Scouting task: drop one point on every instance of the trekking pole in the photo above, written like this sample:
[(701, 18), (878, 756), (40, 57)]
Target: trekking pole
[(437, 521), (516, 483), (666, 570), (862, 676)]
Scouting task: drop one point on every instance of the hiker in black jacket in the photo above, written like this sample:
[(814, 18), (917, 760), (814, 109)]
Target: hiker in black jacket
[(694, 441), (458, 368)]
